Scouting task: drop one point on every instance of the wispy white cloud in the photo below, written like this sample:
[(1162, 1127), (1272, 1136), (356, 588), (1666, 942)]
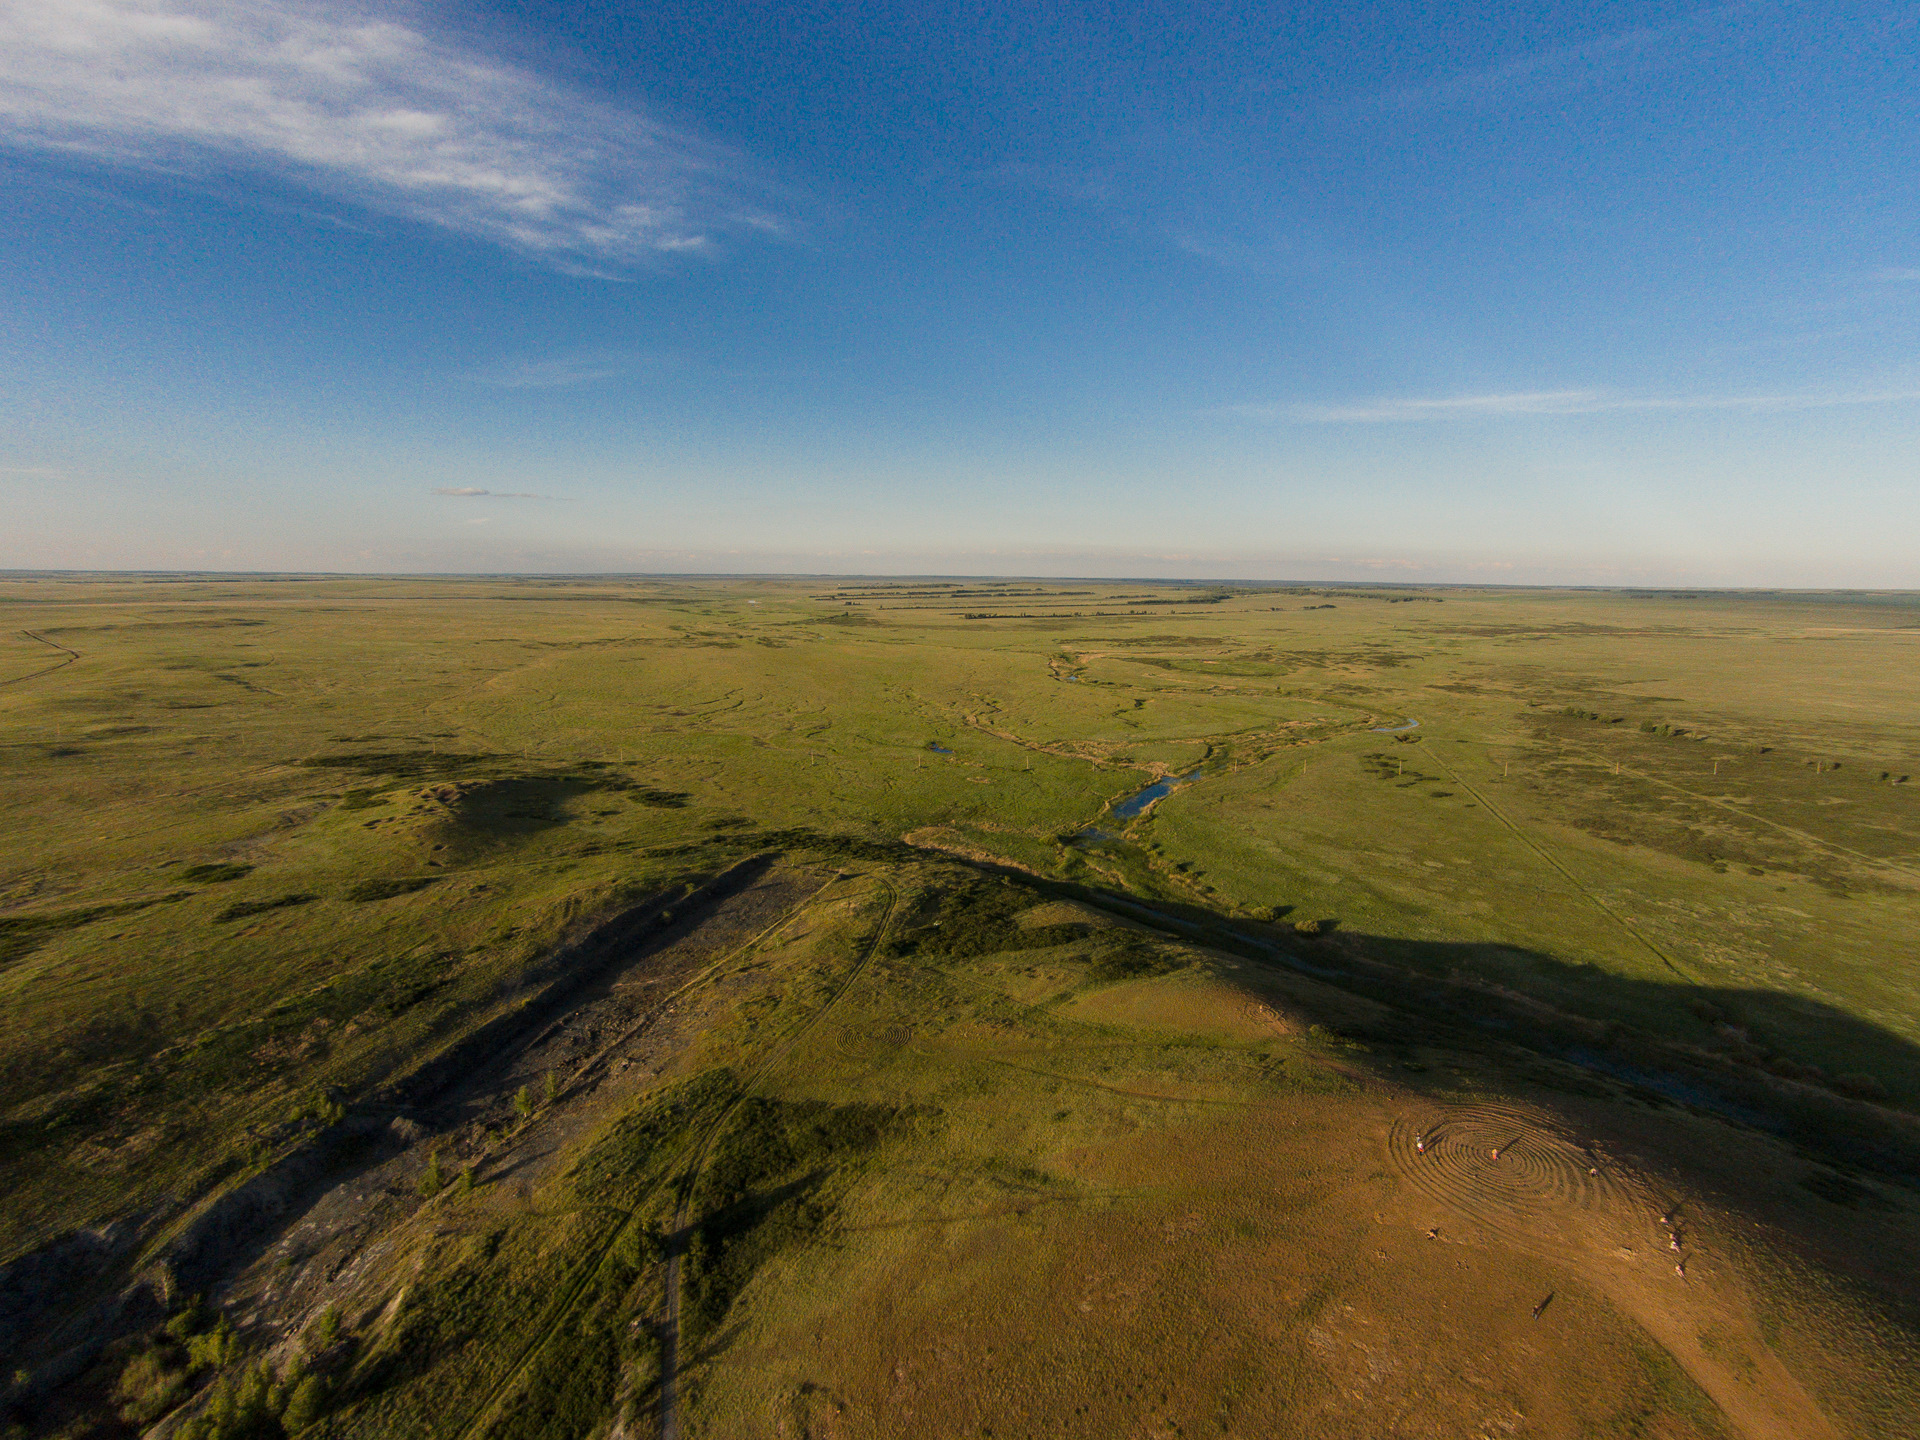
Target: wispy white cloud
[(1601, 59), (1442, 407), (1405, 409), (557, 371), (1081, 183), (374, 108), (470, 492), (1898, 274), (1265, 255)]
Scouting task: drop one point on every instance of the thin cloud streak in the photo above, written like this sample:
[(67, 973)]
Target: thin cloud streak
[(1398, 411), (373, 109), (470, 492), (1605, 57), (1079, 183), (559, 371)]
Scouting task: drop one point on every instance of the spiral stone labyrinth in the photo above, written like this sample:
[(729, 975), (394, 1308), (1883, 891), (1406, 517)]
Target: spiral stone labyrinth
[(1539, 1186)]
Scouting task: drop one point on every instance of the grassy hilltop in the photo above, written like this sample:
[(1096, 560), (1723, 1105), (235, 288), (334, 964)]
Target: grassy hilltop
[(590, 1007)]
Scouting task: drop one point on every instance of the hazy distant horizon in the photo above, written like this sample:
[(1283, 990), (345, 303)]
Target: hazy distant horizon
[(897, 577)]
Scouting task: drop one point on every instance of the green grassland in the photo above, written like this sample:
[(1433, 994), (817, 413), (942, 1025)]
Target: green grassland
[(278, 854)]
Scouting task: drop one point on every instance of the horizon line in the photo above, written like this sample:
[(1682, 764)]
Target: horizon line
[(941, 576)]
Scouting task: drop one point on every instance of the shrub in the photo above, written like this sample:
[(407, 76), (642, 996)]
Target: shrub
[(191, 1319), (305, 1405), (642, 1245), (328, 1329), (153, 1382), (241, 1408), (216, 1348)]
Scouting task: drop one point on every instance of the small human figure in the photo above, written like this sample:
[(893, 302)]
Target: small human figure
[(1496, 1152), (1542, 1305), (1681, 1268), (1420, 1144), (1673, 1242), (1434, 1234)]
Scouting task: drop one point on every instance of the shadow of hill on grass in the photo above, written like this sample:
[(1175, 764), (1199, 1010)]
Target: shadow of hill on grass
[(1832, 1082), (485, 799)]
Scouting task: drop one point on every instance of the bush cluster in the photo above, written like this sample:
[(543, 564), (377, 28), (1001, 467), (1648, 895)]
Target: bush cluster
[(258, 1405), (252, 1404)]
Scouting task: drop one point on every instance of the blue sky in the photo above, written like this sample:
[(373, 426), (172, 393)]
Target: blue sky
[(1607, 293)]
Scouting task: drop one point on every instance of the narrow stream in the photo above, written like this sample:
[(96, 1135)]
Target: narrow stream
[(1144, 799), (1141, 800)]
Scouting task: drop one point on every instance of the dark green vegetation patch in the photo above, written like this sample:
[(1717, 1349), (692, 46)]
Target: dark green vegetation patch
[(1134, 958), (982, 919), (215, 874), (21, 935), (405, 764), (660, 799), (767, 1188), (388, 889), (242, 909)]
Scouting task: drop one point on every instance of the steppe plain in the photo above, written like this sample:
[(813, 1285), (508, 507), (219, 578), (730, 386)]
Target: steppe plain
[(603, 1007)]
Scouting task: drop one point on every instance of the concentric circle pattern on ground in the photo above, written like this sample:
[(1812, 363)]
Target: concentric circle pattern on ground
[(1501, 1168)]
